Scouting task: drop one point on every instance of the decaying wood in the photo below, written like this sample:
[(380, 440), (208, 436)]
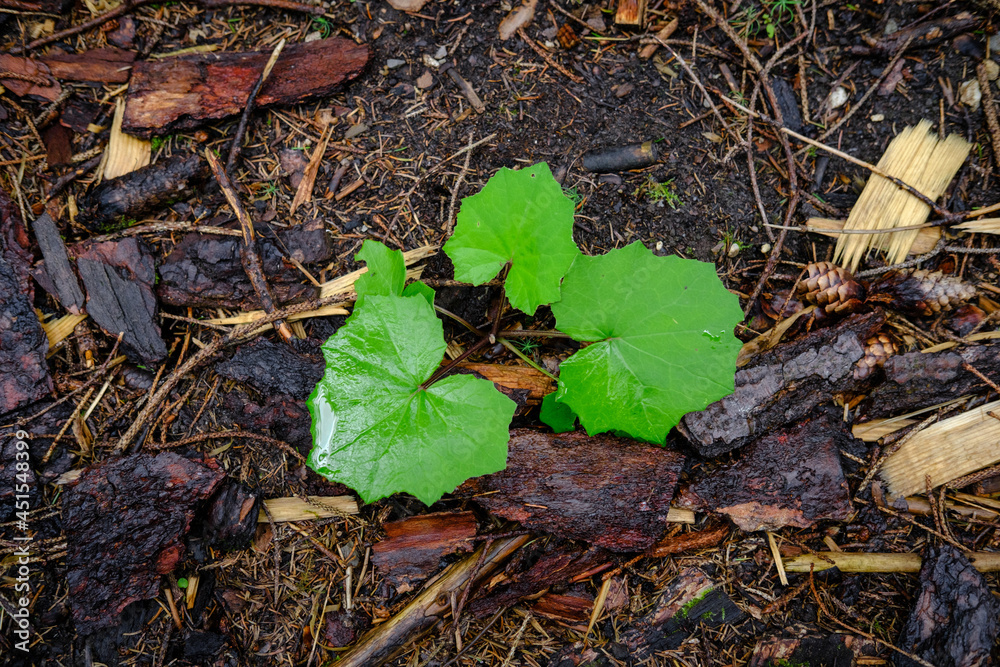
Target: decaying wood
[(690, 599), (519, 378), (631, 12), (783, 385), (430, 606), (57, 266), (413, 547), (180, 93), (945, 451), (122, 199), (119, 277), (808, 645), (249, 255), (925, 241), (107, 65), (791, 477), (700, 539), (611, 492), (28, 77), (984, 561)]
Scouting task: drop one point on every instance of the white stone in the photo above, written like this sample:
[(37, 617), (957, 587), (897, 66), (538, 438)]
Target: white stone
[(970, 94)]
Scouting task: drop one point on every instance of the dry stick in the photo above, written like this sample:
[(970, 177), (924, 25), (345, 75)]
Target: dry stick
[(697, 82), (449, 223), (222, 435), (207, 352), (989, 110), (548, 58), (234, 149), (248, 251), (129, 5)]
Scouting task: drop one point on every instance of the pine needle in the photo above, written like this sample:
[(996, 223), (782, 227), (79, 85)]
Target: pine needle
[(917, 157)]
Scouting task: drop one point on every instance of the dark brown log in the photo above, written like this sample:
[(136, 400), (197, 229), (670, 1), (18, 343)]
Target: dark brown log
[(107, 65), (57, 266), (691, 598), (956, 618), (413, 547), (180, 93), (612, 492), (24, 373), (783, 385), (125, 522), (428, 608), (788, 478), (916, 380), (118, 202), (119, 277)]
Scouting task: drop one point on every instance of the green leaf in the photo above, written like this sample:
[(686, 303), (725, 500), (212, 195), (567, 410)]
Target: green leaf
[(522, 217), (663, 343), (374, 428), (386, 272), (557, 416), (418, 288)]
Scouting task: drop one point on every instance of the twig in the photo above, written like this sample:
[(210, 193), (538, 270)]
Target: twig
[(548, 58), (989, 110), (130, 5), (222, 435), (234, 149), (697, 82), (450, 222), (248, 251)]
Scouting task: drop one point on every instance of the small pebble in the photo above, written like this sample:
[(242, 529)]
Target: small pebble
[(441, 53), (995, 43), (970, 94), (766, 248), (734, 250), (877, 117), (393, 63), (992, 69), (431, 62), (313, 36), (659, 246), (838, 97)]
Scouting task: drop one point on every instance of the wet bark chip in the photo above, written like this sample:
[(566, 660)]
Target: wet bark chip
[(789, 478), (611, 492), (413, 547), (125, 525), (956, 618), (274, 369)]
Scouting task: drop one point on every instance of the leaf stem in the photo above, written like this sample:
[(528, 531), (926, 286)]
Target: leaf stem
[(513, 348), (442, 372), (532, 333)]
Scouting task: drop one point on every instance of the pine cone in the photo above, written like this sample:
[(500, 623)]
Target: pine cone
[(877, 350), (831, 288), (923, 292)]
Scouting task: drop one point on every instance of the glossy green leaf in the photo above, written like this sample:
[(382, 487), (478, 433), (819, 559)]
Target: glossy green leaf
[(557, 416), (522, 217), (663, 343), (374, 428), (418, 288), (386, 272)]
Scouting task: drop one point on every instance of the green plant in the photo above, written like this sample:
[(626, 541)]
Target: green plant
[(322, 24), (388, 417), (657, 191)]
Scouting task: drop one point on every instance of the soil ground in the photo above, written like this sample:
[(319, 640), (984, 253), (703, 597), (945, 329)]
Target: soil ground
[(697, 201)]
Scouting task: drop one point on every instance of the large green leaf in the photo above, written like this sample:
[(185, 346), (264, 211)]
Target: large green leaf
[(663, 343), (386, 272), (521, 217), (375, 430)]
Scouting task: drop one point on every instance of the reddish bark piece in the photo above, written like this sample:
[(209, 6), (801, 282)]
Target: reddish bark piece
[(115, 202), (206, 271), (341, 628), (566, 608), (788, 478), (956, 618), (413, 548), (916, 380), (702, 539), (58, 144), (182, 92), (107, 65), (24, 374), (43, 6), (690, 599), (802, 644), (125, 521), (783, 385), (41, 83), (119, 277), (612, 492)]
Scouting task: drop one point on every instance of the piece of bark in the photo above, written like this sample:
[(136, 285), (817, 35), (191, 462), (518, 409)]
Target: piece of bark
[(574, 608), (555, 566), (535, 384), (413, 547), (783, 385), (57, 266), (124, 35), (118, 277), (24, 373), (631, 12), (206, 271), (125, 522), (923, 34), (79, 115), (107, 65), (42, 6), (701, 539), (791, 477), (690, 599), (181, 93), (341, 628), (40, 83), (802, 644), (274, 369), (429, 607), (58, 144), (612, 492), (956, 617), (916, 380), (231, 519), (118, 201)]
